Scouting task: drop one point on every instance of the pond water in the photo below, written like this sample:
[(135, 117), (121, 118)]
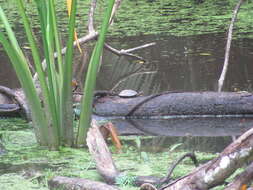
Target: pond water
[(186, 63), (174, 64)]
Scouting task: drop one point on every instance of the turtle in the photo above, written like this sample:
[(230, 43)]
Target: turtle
[(128, 93)]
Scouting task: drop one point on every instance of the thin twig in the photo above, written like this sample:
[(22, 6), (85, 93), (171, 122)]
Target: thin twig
[(173, 166), (126, 52), (228, 46), (115, 7), (91, 17)]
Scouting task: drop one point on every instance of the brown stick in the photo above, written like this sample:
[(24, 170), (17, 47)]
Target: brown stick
[(228, 46)]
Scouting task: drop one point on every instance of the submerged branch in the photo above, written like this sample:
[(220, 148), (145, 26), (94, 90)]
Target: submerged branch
[(18, 96)]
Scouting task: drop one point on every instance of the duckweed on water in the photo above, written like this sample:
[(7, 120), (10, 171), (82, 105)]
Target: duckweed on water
[(27, 166), (143, 17)]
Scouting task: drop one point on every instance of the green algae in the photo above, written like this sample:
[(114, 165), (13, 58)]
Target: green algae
[(29, 166), (143, 17)]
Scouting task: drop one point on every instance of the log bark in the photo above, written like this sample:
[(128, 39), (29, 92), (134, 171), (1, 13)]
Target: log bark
[(66, 183), (217, 170), (176, 104)]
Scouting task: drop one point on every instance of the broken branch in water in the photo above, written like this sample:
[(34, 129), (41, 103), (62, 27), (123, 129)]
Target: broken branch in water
[(93, 34), (19, 97), (192, 156), (127, 52), (228, 46), (216, 171)]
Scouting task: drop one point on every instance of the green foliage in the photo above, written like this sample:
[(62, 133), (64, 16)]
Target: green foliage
[(90, 82), (24, 155), (52, 119), (180, 18), (125, 180)]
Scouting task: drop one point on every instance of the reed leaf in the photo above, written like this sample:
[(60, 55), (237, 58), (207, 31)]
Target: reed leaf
[(25, 77), (90, 82), (66, 106)]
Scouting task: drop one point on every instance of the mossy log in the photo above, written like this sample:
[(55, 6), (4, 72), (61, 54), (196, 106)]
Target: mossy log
[(176, 104)]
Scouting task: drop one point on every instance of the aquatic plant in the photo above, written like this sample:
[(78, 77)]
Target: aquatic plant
[(52, 116)]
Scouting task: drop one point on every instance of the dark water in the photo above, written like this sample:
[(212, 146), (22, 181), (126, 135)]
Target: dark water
[(191, 63), (180, 63)]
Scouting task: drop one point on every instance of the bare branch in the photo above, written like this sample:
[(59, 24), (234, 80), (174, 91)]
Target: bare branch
[(126, 52), (19, 97), (140, 47), (228, 46), (115, 7), (217, 170), (92, 35), (192, 156), (91, 17)]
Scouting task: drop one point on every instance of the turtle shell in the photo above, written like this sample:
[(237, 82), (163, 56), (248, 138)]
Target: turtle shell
[(128, 93)]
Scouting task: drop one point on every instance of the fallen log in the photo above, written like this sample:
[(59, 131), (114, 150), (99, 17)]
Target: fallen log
[(169, 104), (214, 172), (9, 96), (67, 183), (242, 179), (106, 166), (9, 110)]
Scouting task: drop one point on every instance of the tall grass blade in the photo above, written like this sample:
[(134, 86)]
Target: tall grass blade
[(66, 106), (69, 4), (39, 69), (25, 77), (90, 82)]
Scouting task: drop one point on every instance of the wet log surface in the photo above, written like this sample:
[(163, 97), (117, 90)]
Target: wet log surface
[(176, 104)]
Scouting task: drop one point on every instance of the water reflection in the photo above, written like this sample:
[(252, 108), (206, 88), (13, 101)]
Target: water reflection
[(176, 63), (181, 63)]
